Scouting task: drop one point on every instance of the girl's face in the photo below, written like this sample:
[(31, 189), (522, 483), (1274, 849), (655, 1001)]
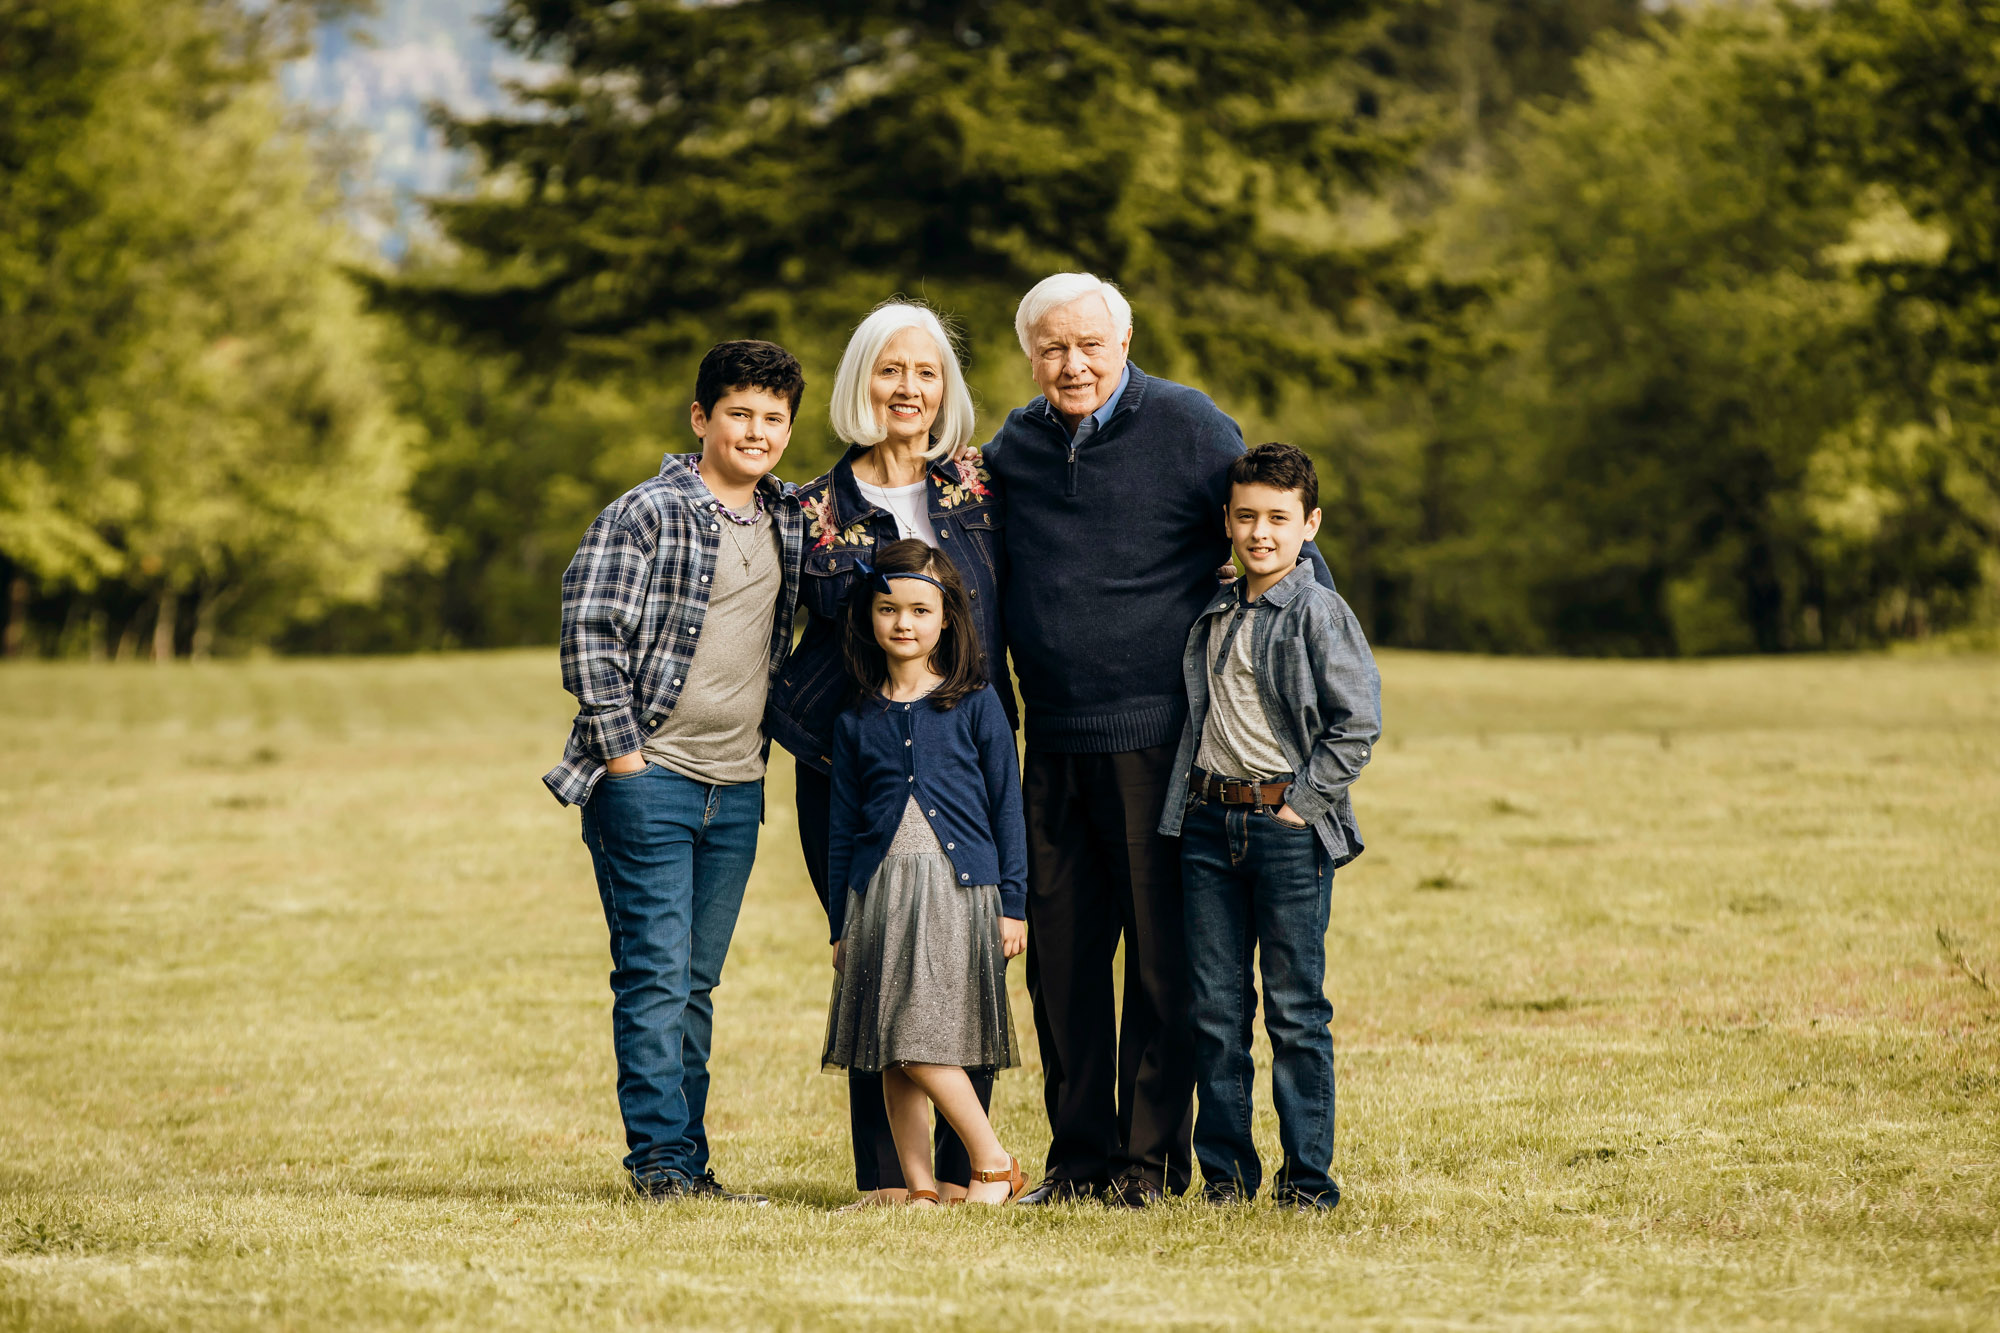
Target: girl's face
[(908, 620)]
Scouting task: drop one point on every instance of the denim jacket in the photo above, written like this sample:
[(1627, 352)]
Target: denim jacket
[(1321, 694), (841, 527)]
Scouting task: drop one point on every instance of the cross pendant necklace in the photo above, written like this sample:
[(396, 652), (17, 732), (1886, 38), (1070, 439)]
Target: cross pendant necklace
[(737, 542)]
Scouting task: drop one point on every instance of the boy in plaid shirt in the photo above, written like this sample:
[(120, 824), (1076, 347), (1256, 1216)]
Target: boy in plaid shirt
[(676, 614)]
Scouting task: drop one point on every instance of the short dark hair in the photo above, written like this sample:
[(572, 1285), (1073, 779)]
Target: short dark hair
[(957, 656), (1279, 466), (748, 363)]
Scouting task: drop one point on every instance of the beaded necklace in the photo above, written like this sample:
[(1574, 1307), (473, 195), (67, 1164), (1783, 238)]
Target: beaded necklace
[(756, 505)]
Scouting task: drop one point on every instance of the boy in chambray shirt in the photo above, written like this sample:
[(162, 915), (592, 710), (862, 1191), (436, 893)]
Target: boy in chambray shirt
[(1284, 706)]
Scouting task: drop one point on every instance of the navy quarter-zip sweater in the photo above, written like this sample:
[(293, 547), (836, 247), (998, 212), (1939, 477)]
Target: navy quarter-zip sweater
[(959, 763), (1112, 551)]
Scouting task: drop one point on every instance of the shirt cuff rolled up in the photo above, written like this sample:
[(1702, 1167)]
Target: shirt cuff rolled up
[(607, 735), (1306, 803)]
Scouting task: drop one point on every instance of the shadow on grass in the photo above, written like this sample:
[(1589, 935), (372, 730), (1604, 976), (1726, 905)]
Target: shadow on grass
[(612, 1192)]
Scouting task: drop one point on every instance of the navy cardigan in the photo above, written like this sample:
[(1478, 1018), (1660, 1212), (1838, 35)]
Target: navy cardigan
[(959, 763)]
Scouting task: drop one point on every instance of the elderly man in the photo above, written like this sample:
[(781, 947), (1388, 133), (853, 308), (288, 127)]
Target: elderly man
[(1114, 486)]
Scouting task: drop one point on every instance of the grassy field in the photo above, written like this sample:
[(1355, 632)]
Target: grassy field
[(1640, 1015)]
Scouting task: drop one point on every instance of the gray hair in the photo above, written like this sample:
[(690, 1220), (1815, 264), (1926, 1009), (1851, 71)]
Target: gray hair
[(853, 410), (1058, 290)]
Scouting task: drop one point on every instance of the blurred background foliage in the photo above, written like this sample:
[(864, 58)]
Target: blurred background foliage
[(1614, 331)]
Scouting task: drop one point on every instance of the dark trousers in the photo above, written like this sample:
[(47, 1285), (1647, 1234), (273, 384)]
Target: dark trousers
[(875, 1163), (1119, 1091), (1259, 887)]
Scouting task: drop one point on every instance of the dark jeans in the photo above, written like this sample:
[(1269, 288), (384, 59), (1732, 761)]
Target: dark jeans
[(1118, 1090), (672, 857), (875, 1162), (1257, 885)]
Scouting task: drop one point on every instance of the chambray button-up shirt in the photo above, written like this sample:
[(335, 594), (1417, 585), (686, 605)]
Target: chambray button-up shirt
[(1321, 694), (633, 602)]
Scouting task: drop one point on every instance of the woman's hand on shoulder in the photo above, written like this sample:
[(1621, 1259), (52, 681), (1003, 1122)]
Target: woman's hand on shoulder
[(1013, 937)]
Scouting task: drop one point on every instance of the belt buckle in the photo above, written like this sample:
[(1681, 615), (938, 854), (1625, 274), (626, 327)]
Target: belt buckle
[(1233, 792)]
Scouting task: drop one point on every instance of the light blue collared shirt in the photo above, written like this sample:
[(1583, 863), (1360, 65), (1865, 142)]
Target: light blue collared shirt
[(1102, 414)]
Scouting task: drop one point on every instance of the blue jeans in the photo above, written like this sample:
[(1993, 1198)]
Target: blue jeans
[(1251, 883), (672, 857)]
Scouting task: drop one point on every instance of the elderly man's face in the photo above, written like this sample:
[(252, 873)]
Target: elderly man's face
[(1078, 357)]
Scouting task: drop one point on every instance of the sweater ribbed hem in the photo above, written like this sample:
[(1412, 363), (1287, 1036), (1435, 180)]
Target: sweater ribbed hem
[(1139, 724)]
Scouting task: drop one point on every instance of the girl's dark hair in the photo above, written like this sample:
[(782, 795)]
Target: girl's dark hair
[(957, 656)]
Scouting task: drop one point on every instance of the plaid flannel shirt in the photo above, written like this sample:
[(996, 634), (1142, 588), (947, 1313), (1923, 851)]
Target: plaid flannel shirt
[(633, 602)]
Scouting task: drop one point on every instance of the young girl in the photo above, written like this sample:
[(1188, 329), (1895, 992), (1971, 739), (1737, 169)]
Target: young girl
[(927, 863)]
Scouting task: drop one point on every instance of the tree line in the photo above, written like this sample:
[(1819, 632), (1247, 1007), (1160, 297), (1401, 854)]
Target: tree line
[(1611, 332)]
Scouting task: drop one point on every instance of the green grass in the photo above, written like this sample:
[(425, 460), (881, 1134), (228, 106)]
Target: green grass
[(1640, 1016)]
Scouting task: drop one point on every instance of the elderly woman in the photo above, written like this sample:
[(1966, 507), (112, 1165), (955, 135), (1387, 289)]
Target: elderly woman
[(910, 470)]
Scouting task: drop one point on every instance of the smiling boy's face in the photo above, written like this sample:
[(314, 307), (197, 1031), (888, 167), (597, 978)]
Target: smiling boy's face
[(1268, 527), (744, 437)]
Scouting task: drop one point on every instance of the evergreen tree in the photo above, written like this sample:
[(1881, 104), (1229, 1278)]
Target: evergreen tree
[(775, 168), (194, 438)]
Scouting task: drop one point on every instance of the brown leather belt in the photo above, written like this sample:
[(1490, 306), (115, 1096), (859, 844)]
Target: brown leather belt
[(1234, 791)]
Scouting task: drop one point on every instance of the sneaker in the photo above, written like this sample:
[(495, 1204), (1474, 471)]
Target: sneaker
[(706, 1186), (1223, 1193), (1307, 1201), (661, 1186)]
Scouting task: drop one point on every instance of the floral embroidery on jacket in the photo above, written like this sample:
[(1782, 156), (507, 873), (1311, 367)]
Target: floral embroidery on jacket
[(971, 484), (820, 524)]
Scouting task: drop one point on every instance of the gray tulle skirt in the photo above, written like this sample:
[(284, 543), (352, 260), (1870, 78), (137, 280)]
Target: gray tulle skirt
[(923, 980)]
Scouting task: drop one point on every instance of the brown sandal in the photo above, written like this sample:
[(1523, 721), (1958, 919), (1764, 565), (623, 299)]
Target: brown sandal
[(922, 1196), (1013, 1175)]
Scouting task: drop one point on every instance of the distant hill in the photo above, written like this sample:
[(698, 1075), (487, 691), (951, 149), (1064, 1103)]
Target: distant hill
[(376, 76)]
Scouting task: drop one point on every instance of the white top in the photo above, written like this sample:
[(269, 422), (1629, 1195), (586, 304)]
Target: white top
[(910, 505)]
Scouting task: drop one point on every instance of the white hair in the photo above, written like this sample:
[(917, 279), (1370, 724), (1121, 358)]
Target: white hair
[(853, 408), (1058, 290)]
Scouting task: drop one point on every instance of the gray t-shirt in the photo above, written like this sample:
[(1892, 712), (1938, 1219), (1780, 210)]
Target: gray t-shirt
[(716, 731), (1237, 740)]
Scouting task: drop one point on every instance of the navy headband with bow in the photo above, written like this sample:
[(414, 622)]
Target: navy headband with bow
[(879, 581)]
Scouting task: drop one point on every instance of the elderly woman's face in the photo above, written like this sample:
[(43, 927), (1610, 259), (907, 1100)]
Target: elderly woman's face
[(1078, 357), (906, 386)]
